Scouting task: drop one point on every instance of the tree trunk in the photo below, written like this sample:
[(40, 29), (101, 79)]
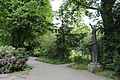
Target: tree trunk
[(106, 14)]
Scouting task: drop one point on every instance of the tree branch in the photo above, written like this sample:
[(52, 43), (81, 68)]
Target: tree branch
[(86, 6), (89, 7), (91, 26)]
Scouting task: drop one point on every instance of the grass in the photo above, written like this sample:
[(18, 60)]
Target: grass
[(26, 70), (50, 61), (82, 66), (107, 73), (23, 73)]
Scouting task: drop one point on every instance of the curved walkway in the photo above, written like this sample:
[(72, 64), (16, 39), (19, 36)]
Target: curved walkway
[(43, 71)]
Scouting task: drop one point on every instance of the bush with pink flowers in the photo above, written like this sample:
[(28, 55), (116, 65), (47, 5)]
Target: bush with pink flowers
[(12, 59)]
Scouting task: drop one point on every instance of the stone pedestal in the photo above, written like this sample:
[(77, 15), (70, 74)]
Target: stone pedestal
[(94, 67)]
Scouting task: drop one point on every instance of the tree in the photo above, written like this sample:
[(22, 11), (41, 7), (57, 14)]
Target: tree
[(109, 11), (23, 20)]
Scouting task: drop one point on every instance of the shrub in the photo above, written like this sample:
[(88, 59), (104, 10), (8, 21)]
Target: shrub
[(47, 42), (12, 59), (78, 57), (60, 52), (116, 61), (38, 52), (50, 60)]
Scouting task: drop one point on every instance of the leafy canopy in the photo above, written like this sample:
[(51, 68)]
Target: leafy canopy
[(24, 19)]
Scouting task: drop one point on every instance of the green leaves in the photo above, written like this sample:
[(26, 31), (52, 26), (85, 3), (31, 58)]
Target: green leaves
[(12, 59), (24, 19)]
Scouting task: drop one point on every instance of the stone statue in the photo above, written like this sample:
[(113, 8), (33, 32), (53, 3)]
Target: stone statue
[(94, 45), (94, 65)]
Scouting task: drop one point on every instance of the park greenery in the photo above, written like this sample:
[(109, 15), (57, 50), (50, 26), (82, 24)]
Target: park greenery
[(12, 59), (27, 25), (21, 22)]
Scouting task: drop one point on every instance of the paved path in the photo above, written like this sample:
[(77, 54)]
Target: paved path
[(43, 71), (13, 76)]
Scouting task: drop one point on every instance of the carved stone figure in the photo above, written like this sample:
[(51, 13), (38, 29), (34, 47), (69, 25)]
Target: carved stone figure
[(94, 46), (94, 66)]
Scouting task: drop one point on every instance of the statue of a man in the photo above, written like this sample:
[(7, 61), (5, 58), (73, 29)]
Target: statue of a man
[(94, 45), (94, 66)]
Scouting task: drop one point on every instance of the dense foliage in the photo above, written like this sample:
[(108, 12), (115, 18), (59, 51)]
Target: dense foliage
[(82, 53), (22, 20), (12, 59), (75, 39), (68, 37), (47, 43), (108, 10), (25, 23)]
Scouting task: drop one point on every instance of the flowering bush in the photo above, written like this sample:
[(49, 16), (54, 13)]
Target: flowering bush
[(12, 59)]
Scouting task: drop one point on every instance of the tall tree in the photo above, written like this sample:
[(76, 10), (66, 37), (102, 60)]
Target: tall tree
[(109, 10), (25, 19)]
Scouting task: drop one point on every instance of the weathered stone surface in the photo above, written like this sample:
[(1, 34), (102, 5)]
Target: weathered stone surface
[(92, 67)]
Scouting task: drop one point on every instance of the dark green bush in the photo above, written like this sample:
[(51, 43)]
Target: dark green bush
[(116, 60), (110, 56), (12, 59), (60, 52)]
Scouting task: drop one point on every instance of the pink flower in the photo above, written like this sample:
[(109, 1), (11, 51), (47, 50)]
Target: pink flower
[(2, 59), (13, 57), (20, 65), (8, 59), (27, 62), (8, 62)]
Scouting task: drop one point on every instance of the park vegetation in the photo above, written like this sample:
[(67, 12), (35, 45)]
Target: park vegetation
[(29, 24), (21, 22)]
